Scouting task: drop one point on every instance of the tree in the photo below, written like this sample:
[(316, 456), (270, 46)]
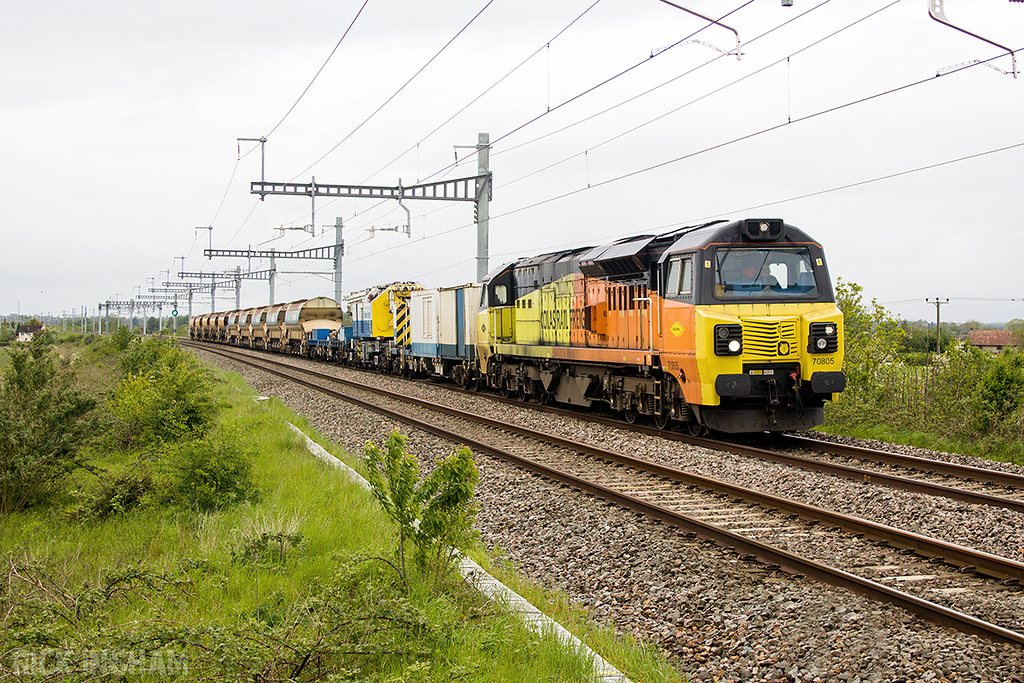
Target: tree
[(437, 515), (1000, 393), (165, 395), (1017, 327), (871, 334), (44, 422)]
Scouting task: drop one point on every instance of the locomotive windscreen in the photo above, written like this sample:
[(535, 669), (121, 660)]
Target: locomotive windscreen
[(765, 272)]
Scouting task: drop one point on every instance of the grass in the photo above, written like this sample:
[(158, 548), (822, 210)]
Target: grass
[(994, 449), (162, 578)]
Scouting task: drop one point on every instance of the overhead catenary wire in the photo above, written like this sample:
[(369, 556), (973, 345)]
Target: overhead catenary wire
[(593, 88), (520, 127), (396, 93), (589, 90), (697, 99), (449, 167), (742, 138), (278, 125), (468, 105), (924, 300), (320, 70), (379, 108), (746, 137), (547, 44), (664, 83), (606, 81), (651, 90), (728, 211)]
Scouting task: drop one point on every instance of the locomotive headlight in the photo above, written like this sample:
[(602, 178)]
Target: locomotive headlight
[(763, 227), (728, 340), (824, 338)]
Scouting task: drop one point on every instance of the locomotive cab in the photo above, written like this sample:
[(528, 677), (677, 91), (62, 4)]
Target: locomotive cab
[(758, 342)]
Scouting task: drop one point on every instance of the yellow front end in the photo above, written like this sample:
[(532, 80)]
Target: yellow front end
[(771, 334)]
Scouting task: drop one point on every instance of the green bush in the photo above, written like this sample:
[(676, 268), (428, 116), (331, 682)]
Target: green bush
[(115, 493), (121, 338), (45, 421), (165, 396), (1000, 393), (436, 514), (211, 473), (962, 399)]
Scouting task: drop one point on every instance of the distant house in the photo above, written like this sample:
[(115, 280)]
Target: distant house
[(26, 333), (992, 341)]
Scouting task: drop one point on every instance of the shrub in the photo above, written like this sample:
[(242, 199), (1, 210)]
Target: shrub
[(165, 396), (437, 515), (1000, 393), (44, 422), (121, 338), (115, 494), (211, 473)]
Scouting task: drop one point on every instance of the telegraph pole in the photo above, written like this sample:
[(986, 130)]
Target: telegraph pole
[(938, 318)]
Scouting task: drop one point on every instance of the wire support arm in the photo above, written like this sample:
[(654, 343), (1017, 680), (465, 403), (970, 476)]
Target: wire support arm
[(250, 275), (937, 12), (736, 33)]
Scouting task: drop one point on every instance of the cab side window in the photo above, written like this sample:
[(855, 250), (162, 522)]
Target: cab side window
[(679, 278)]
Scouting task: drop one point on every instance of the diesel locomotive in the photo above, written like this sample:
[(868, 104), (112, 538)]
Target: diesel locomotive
[(727, 326)]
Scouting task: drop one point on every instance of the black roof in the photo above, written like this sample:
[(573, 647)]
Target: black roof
[(634, 255)]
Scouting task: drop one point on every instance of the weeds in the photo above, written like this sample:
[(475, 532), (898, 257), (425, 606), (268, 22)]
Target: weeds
[(144, 579)]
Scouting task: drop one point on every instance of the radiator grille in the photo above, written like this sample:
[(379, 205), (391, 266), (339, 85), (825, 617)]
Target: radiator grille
[(770, 338)]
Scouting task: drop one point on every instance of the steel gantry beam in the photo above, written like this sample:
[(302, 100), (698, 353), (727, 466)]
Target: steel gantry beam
[(189, 288), (322, 253), (330, 253), (252, 275), (477, 189), (456, 190)]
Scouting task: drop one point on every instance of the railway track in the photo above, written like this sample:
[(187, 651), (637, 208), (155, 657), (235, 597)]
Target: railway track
[(974, 485), (939, 581)]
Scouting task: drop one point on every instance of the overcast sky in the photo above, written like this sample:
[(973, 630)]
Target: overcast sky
[(120, 119)]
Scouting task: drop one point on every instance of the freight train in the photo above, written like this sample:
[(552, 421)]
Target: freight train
[(726, 326)]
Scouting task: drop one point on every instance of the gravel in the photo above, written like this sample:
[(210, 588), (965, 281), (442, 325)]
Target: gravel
[(718, 617)]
